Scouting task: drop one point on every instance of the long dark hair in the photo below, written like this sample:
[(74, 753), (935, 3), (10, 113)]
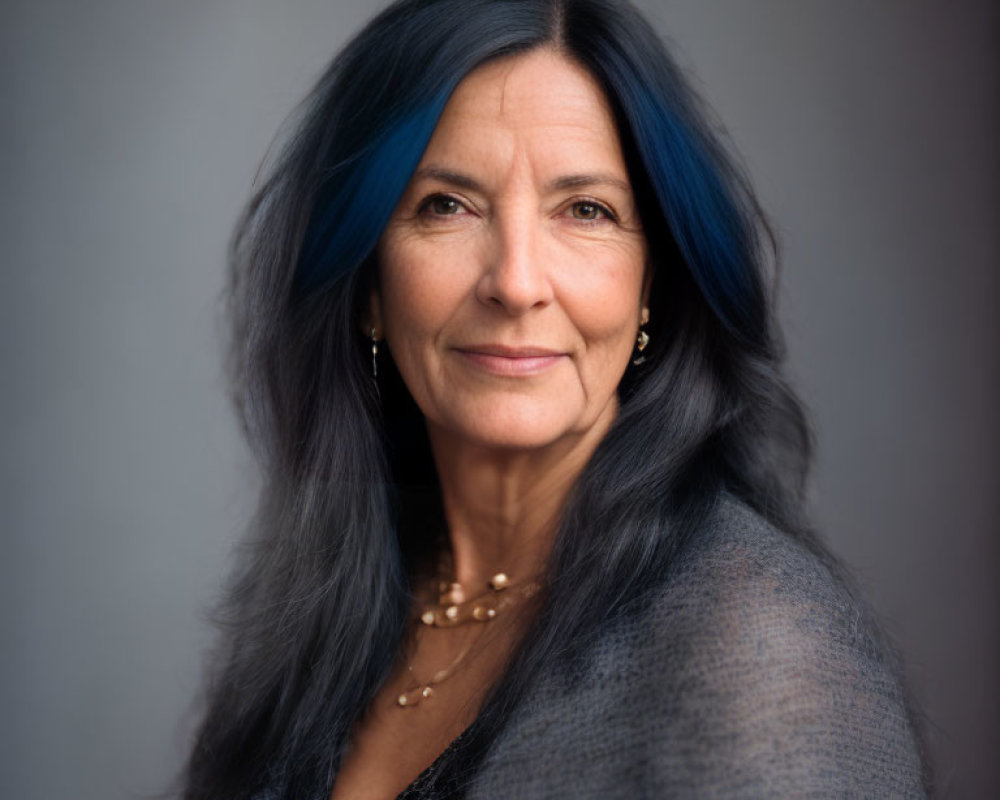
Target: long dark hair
[(317, 607)]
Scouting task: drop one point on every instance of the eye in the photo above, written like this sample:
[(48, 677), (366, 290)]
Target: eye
[(590, 211), (442, 205)]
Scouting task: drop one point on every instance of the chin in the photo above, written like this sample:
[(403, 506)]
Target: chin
[(512, 428), (506, 440)]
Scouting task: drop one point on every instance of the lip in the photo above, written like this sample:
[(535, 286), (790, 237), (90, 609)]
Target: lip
[(499, 359)]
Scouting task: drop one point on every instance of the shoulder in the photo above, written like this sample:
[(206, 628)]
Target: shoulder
[(759, 658), (752, 670), (738, 567), (748, 592)]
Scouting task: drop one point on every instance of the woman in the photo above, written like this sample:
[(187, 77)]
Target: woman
[(532, 518)]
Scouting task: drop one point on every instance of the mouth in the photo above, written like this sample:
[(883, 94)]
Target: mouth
[(507, 361)]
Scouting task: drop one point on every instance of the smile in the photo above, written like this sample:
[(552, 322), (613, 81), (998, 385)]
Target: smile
[(511, 361)]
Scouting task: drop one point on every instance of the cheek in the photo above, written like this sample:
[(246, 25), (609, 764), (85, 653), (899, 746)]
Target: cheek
[(419, 296), (425, 281), (605, 316), (409, 308), (604, 305), (412, 298), (604, 301)]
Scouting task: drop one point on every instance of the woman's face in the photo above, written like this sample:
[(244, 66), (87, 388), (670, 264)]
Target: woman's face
[(512, 272)]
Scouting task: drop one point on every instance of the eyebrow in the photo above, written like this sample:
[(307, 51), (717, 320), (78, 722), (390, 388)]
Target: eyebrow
[(590, 179), (448, 176), (563, 182)]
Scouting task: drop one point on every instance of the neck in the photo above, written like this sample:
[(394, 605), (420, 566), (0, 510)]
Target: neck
[(503, 507)]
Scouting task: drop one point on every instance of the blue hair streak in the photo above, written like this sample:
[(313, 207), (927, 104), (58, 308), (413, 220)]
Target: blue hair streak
[(698, 196), (446, 39), (357, 200)]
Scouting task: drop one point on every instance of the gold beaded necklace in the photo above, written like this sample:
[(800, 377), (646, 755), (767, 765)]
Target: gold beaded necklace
[(453, 610)]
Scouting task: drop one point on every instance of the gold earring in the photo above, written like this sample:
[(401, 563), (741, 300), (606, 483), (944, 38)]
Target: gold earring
[(641, 340)]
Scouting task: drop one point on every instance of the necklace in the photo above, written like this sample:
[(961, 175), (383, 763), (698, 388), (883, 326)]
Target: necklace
[(453, 610)]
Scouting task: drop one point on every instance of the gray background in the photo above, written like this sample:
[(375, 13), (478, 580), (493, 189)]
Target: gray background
[(131, 132)]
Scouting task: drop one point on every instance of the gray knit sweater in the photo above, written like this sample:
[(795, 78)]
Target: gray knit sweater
[(754, 673)]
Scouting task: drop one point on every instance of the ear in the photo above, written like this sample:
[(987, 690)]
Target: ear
[(371, 324)]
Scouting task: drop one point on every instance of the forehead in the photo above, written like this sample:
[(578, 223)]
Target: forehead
[(539, 100)]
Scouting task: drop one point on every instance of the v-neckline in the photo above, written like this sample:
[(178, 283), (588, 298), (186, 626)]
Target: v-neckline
[(418, 785)]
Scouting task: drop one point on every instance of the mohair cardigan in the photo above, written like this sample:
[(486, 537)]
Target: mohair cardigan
[(753, 672)]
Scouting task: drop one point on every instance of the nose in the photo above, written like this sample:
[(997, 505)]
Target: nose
[(515, 277)]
